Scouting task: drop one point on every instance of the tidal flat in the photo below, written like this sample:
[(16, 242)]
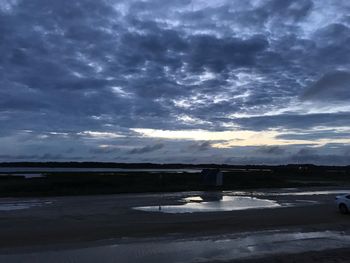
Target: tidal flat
[(304, 223)]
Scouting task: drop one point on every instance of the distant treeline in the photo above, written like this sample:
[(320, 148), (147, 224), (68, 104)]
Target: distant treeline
[(291, 167), (235, 177)]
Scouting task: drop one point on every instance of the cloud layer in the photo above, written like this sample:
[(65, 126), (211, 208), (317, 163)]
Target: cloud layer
[(79, 79)]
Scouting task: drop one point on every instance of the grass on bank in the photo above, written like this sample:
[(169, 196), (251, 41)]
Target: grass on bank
[(88, 183)]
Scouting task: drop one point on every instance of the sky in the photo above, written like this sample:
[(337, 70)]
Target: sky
[(190, 81)]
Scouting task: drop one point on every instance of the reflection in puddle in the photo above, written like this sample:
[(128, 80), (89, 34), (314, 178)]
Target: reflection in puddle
[(26, 175), (204, 249), (329, 192), (205, 204), (287, 192), (197, 199), (205, 197), (30, 176), (18, 205)]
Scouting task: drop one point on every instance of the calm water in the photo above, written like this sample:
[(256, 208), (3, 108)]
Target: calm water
[(63, 169), (289, 192), (225, 203), (27, 175), (10, 205)]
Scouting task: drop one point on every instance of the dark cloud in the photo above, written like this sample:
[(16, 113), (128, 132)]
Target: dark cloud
[(290, 11), (219, 54), (295, 121), (104, 150), (333, 85), (315, 135), (147, 149), (273, 150), (200, 147), (308, 155), (70, 150), (44, 157), (19, 157)]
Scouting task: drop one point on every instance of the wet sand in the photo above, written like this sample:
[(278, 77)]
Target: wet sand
[(78, 221), (329, 256)]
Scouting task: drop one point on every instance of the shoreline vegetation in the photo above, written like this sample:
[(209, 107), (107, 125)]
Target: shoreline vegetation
[(236, 177), (166, 165)]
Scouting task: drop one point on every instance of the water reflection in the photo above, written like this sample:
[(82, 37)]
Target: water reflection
[(73, 169), (18, 205), (205, 249), (213, 202), (325, 192), (26, 176), (288, 192), (205, 197)]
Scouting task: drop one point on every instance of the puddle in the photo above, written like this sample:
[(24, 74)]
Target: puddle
[(287, 193), (18, 205), (26, 175), (30, 176), (197, 199), (204, 249), (328, 192), (204, 204)]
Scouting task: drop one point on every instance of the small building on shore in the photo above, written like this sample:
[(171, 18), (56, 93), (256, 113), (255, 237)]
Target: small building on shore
[(212, 177)]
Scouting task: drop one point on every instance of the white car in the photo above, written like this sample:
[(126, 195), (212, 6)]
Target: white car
[(343, 203)]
